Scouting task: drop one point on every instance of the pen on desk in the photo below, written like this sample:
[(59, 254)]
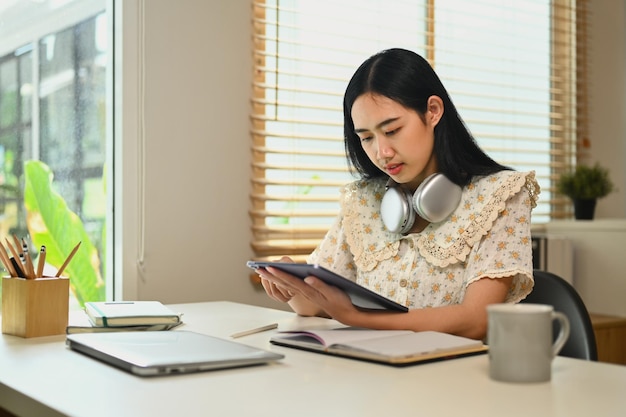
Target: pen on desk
[(41, 261), (67, 261), (255, 330)]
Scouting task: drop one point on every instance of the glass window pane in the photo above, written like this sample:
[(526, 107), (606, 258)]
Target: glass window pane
[(53, 104)]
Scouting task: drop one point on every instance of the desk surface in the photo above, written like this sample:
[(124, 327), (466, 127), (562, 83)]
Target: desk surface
[(41, 376)]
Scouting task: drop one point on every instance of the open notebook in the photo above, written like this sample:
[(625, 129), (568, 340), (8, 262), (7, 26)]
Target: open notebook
[(392, 347), (152, 353)]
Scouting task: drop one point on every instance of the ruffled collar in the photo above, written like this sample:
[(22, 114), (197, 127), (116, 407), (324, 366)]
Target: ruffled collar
[(440, 244)]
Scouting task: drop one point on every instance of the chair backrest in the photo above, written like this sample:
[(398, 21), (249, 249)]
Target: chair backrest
[(553, 290)]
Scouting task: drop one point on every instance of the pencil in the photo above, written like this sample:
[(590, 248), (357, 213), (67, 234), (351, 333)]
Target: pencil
[(67, 261), (5, 263), (16, 260), (41, 261), (17, 246), (14, 252), (5, 260), (254, 331), (28, 262)]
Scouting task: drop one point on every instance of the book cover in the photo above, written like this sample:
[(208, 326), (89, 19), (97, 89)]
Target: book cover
[(100, 329), (80, 323), (395, 347), (129, 313)]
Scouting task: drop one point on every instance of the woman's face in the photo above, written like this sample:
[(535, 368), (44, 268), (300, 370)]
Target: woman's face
[(396, 138)]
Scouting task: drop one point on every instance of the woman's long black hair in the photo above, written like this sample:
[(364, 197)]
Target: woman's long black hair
[(407, 78)]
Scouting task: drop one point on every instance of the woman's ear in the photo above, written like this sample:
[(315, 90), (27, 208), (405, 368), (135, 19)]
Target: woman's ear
[(434, 110)]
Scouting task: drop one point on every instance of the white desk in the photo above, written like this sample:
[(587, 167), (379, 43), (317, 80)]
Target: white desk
[(42, 377)]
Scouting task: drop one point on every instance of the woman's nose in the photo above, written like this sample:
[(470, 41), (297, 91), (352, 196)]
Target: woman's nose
[(385, 149)]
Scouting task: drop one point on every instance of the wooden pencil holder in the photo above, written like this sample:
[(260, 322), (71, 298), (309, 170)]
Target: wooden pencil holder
[(35, 307)]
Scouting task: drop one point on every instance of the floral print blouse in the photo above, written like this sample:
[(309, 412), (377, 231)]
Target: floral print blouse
[(487, 236)]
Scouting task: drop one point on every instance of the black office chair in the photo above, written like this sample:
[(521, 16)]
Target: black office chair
[(555, 291)]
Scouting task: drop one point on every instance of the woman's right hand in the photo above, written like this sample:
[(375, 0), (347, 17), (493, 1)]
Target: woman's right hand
[(278, 288), (274, 290)]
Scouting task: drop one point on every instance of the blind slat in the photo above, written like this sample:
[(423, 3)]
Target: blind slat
[(294, 198)]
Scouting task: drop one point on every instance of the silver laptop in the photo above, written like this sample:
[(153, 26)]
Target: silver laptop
[(152, 353)]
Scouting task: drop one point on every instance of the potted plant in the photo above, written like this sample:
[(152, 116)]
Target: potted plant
[(584, 186)]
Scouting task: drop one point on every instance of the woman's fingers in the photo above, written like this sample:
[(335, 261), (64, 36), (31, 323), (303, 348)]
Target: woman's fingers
[(275, 291), (283, 286)]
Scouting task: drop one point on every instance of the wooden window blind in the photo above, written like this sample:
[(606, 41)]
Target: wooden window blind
[(513, 70)]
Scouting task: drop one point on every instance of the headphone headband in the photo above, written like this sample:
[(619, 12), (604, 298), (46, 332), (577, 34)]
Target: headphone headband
[(435, 199)]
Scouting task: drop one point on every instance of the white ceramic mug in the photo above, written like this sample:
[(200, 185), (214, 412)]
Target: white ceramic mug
[(520, 341)]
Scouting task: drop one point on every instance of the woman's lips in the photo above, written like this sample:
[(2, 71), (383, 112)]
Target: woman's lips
[(393, 169)]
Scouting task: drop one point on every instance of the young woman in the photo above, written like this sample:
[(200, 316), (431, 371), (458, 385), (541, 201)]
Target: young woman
[(402, 131)]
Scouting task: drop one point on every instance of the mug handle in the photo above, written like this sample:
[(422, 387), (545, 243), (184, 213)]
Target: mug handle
[(563, 332)]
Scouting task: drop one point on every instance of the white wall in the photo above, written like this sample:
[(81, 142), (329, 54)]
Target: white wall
[(197, 86), (197, 160), (607, 89)]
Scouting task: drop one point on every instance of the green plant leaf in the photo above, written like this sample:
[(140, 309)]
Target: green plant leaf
[(586, 182), (51, 223)]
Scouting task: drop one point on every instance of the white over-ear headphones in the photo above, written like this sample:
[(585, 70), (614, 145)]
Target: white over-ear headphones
[(434, 200)]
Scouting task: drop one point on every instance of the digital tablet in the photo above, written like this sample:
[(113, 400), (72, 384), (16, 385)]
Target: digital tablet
[(361, 297)]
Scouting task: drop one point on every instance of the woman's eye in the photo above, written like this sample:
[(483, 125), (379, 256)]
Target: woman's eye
[(366, 139), (392, 132)]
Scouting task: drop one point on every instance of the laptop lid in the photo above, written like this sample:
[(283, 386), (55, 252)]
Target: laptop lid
[(152, 353)]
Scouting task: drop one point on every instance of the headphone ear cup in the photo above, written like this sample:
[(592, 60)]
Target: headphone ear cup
[(397, 210), (436, 198)]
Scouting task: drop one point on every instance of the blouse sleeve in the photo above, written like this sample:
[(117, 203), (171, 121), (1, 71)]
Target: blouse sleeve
[(506, 250), (333, 251)]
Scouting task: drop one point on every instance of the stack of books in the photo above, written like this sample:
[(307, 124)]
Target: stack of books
[(120, 316)]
